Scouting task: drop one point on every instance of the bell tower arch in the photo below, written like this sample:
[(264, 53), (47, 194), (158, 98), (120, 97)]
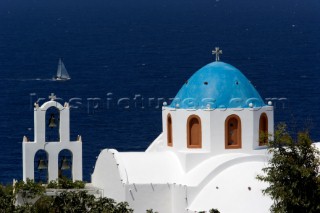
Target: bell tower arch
[(53, 146)]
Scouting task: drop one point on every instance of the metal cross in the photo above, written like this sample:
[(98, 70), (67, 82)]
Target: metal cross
[(217, 52), (52, 97)]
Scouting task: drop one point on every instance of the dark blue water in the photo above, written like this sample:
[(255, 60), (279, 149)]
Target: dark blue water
[(147, 48)]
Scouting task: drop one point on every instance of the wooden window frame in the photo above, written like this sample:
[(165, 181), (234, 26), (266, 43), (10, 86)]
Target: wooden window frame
[(239, 133), (189, 145), (169, 131), (263, 115)]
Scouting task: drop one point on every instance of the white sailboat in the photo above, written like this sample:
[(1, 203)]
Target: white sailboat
[(62, 73)]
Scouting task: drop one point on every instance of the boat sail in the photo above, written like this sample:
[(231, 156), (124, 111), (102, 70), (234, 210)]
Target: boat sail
[(62, 73)]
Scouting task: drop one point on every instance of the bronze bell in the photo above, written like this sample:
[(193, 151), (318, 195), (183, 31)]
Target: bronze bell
[(42, 164), (52, 121), (65, 164)]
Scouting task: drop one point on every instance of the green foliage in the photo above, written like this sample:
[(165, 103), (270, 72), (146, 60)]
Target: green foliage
[(65, 183), (103, 205), (53, 185), (210, 211), (81, 201), (6, 199), (27, 208), (43, 204), (122, 207), (150, 211), (78, 184), (71, 201), (29, 189), (292, 173), (64, 202)]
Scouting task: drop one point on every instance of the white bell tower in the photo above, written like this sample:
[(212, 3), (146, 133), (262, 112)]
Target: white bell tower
[(52, 147)]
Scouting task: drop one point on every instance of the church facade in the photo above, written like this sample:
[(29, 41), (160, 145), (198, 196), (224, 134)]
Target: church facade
[(207, 156)]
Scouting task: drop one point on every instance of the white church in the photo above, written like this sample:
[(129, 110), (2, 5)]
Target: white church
[(207, 156)]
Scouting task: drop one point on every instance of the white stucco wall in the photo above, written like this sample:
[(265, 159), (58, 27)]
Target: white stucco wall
[(213, 132), (109, 175), (29, 148), (149, 196), (229, 191), (157, 180)]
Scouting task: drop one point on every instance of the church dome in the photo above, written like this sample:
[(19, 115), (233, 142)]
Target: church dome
[(217, 85)]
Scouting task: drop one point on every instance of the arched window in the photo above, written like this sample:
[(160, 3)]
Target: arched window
[(169, 130), (194, 136), (65, 164), (233, 132), (263, 129), (41, 166), (52, 124)]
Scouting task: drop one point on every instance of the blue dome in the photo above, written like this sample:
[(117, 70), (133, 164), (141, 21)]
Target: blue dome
[(219, 85)]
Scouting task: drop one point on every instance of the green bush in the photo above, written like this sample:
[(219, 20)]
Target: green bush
[(28, 189), (6, 199), (64, 202), (292, 173), (150, 211), (65, 183)]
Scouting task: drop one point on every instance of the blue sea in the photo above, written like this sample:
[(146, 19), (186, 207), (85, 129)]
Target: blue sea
[(137, 51)]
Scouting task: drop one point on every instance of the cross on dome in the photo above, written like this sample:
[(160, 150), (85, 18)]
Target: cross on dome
[(53, 97), (217, 52)]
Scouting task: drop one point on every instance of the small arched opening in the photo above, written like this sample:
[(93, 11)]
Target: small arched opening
[(65, 159), (41, 166), (263, 129), (194, 135), (52, 120), (233, 132), (169, 130)]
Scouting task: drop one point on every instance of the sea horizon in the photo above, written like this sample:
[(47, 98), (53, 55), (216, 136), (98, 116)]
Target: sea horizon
[(142, 52)]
